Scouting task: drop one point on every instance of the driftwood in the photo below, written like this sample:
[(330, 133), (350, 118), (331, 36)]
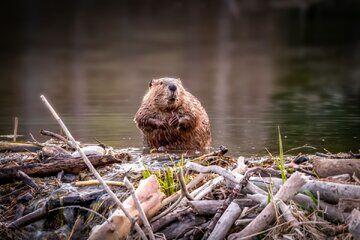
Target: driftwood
[(18, 147), (68, 165), (206, 207), (210, 207), (328, 191), (354, 224), (325, 167), (267, 216), (332, 192), (119, 225), (225, 222)]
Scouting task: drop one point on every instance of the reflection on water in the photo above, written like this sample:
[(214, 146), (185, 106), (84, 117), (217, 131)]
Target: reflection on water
[(253, 64)]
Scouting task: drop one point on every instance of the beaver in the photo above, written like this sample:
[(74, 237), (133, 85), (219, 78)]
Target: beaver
[(172, 118)]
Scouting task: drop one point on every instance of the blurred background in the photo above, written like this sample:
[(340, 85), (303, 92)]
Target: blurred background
[(254, 64)]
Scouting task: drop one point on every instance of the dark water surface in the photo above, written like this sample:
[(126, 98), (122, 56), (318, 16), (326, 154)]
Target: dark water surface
[(253, 64)]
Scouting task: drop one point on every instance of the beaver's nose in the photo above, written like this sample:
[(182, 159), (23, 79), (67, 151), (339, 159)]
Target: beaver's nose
[(172, 87)]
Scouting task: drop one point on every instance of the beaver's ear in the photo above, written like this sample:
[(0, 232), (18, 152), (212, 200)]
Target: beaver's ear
[(151, 83)]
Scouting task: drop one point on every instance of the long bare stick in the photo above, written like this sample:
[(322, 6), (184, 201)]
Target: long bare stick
[(96, 182), (212, 168), (91, 167), (184, 190), (139, 208), (16, 125)]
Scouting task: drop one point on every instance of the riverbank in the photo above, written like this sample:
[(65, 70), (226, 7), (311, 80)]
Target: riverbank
[(47, 192)]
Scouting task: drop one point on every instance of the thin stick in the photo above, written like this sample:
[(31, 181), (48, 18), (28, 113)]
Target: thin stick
[(140, 209), (16, 126), (168, 210), (91, 167), (96, 182), (183, 185)]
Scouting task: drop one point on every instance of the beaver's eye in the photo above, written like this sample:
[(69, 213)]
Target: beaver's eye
[(151, 83), (161, 83)]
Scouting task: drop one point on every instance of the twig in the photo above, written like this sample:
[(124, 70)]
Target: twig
[(140, 209), (96, 182), (184, 190), (190, 185), (16, 125), (57, 136), (91, 167), (168, 210), (27, 180), (221, 151), (75, 228)]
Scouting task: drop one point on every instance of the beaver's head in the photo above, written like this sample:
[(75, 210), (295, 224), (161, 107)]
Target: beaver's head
[(165, 93)]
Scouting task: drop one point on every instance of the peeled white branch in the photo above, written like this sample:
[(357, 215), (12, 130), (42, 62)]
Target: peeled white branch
[(225, 222)]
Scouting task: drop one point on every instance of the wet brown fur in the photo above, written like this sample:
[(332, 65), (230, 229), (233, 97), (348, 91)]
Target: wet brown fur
[(173, 121)]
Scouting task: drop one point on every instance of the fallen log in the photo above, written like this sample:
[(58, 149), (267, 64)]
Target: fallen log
[(119, 225), (267, 216), (325, 167), (68, 165), (18, 147)]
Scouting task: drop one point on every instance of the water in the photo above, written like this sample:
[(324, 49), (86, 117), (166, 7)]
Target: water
[(253, 64)]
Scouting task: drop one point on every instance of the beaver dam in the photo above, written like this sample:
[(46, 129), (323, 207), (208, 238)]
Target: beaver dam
[(47, 192)]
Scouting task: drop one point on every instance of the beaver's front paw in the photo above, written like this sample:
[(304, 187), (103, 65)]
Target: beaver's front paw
[(183, 124), (174, 121), (156, 123)]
